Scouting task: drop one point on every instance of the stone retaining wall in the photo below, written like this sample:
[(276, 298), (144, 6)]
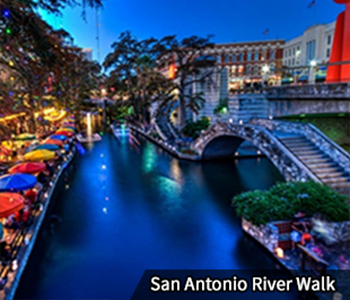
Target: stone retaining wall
[(12, 284)]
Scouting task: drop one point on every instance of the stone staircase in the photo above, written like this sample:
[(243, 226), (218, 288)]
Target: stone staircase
[(319, 163), (165, 127)]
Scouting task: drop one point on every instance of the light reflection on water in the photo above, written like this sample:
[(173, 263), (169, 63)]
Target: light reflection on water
[(161, 213)]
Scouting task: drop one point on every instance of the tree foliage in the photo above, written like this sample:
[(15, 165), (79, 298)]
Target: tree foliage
[(284, 200)]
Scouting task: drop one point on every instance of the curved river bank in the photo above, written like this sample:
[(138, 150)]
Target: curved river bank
[(126, 208)]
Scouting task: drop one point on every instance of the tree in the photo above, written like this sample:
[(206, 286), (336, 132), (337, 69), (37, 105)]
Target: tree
[(192, 66)]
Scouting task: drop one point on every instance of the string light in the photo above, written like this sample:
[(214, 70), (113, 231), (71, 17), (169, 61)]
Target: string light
[(8, 31)]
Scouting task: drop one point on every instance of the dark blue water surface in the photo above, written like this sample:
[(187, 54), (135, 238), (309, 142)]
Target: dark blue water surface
[(128, 208)]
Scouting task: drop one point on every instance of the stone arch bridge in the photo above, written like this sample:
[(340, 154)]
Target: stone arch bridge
[(299, 151)]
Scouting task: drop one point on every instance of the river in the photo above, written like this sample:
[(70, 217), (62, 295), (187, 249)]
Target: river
[(126, 208)]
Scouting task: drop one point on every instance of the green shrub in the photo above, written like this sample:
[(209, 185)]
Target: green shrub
[(284, 200), (222, 107), (193, 129)]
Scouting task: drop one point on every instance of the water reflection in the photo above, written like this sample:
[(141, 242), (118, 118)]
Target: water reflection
[(145, 210)]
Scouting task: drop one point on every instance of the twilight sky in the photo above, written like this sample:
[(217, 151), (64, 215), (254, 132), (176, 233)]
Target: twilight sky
[(227, 20)]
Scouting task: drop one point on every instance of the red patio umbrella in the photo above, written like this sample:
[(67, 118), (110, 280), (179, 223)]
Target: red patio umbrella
[(28, 167), (5, 150), (65, 133), (10, 203), (54, 142)]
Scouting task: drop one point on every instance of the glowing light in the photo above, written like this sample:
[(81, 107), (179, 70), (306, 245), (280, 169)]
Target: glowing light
[(107, 198), (14, 265), (270, 117), (11, 64), (172, 71), (8, 31), (230, 120), (104, 167), (67, 186), (240, 122), (279, 252), (265, 68), (104, 210), (313, 63), (6, 13), (236, 154), (258, 152)]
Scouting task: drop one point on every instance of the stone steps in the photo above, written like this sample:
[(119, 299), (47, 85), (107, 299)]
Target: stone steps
[(319, 163)]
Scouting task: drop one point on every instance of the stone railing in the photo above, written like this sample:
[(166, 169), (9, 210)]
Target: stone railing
[(333, 150), (288, 165), (267, 235), (319, 91)]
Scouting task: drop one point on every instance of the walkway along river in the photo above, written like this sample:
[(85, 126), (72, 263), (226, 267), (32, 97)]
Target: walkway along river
[(125, 208)]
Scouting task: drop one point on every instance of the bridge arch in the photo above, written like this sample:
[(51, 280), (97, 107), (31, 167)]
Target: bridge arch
[(223, 139)]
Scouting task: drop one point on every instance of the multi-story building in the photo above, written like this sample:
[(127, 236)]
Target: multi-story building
[(314, 45), (88, 53), (249, 62)]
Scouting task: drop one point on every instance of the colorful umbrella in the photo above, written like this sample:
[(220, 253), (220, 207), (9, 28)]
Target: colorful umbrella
[(70, 129), (17, 182), (10, 203), (50, 147), (5, 151), (28, 167), (58, 143), (65, 133), (58, 137), (39, 155), (25, 137)]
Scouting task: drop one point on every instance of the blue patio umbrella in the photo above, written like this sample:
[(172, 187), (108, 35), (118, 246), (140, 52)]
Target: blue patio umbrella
[(50, 147), (17, 182), (58, 137)]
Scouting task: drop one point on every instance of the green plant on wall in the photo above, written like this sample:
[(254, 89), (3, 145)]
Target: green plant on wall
[(193, 129), (222, 107), (283, 200)]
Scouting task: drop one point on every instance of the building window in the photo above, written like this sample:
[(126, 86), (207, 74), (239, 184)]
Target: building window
[(227, 58), (219, 58), (328, 52), (256, 69), (310, 51), (240, 69), (272, 67), (256, 56), (233, 57), (293, 51), (290, 52), (272, 55), (233, 70), (249, 56), (329, 40), (240, 57), (248, 69), (293, 62)]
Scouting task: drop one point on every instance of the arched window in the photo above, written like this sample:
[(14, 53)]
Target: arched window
[(241, 57), (227, 58), (249, 69), (249, 56), (256, 69), (256, 56), (233, 57), (272, 67), (272, 55)]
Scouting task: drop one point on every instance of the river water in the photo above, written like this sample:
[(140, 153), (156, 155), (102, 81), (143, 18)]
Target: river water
[(126, 208)]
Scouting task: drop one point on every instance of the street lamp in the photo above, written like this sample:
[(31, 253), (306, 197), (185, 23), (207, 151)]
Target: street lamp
[(265, 70), (313, 64)]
